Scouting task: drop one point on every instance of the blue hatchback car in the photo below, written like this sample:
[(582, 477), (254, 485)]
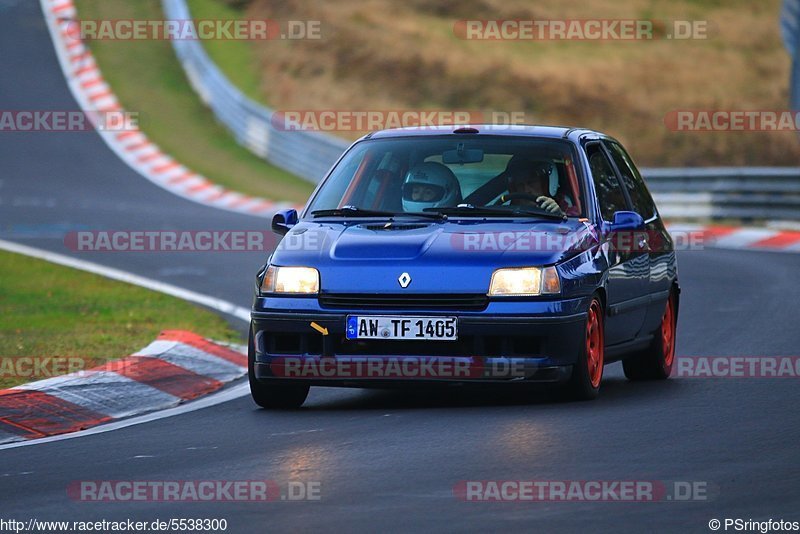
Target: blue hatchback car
[(468, 255)]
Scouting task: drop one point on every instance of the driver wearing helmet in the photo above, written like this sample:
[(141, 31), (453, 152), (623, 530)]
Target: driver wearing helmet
[(430, 185), (529, 184)]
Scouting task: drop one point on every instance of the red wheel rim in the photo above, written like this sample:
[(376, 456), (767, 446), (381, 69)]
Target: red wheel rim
[(668, 334), (594, 344)]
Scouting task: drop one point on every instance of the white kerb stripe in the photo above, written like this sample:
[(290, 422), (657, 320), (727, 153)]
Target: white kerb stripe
[(743, 237), (193, 359), (106, 393)]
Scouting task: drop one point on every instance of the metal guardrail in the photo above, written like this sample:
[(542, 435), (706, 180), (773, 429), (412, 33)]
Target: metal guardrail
[(306, 154), (768, 193), (695, 193)]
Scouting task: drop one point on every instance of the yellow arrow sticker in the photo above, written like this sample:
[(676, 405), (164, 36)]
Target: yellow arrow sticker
[(318, 328)]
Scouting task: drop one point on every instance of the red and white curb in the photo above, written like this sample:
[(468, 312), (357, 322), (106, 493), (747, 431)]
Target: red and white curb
[(179, 366), (740, 238), (93, 94)]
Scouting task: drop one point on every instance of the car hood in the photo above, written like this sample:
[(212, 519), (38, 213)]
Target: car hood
[(440, 257)]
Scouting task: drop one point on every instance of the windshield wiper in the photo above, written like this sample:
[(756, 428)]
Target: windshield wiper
[(353, 211), (501, 211)]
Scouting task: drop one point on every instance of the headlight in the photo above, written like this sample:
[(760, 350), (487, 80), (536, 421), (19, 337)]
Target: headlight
[(525, 281), (298, 280)]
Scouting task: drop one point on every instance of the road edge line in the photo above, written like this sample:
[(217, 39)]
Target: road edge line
[(112, 273)]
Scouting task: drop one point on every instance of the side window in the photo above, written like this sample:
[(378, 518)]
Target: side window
[(609, 192), (640, 198)]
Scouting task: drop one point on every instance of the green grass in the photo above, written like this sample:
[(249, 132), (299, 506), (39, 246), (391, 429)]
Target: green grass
[(48, 310), (235, 59), (148, 79)]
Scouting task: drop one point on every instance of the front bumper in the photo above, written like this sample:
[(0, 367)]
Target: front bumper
[(535, 341)]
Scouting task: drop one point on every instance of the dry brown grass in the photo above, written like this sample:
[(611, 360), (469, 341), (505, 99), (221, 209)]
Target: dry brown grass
[(383, 54)]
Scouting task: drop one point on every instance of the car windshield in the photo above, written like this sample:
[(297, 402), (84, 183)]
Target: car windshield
[(431, 174)]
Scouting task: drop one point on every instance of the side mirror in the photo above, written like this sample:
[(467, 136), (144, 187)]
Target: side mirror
[(627, 220), (283, 221)]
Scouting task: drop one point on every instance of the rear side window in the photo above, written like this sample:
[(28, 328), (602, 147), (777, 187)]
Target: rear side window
[(640, 198), (609, 192)]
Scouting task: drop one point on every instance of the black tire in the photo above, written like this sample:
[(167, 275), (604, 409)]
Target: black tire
[(656, 362), (587, 373), (272, 396)]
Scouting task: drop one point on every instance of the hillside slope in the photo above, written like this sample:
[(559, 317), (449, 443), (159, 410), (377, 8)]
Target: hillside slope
[(385, 55)]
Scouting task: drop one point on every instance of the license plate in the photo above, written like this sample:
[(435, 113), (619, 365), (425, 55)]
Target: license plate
[(401, 328)]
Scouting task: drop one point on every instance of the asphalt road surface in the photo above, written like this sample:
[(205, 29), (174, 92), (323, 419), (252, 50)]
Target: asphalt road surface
[(389, 460)]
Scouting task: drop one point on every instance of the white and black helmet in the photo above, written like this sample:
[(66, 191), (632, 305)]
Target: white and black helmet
[(442, 187)]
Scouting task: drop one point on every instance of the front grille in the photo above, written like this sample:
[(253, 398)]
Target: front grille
[(405, 301)]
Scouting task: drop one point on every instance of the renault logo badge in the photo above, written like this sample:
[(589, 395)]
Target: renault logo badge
[(404, 280)]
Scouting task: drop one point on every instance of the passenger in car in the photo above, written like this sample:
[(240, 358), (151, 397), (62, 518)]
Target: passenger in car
[(430, 185)]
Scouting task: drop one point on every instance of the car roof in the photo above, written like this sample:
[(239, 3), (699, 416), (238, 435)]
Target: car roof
[(519, 130)]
